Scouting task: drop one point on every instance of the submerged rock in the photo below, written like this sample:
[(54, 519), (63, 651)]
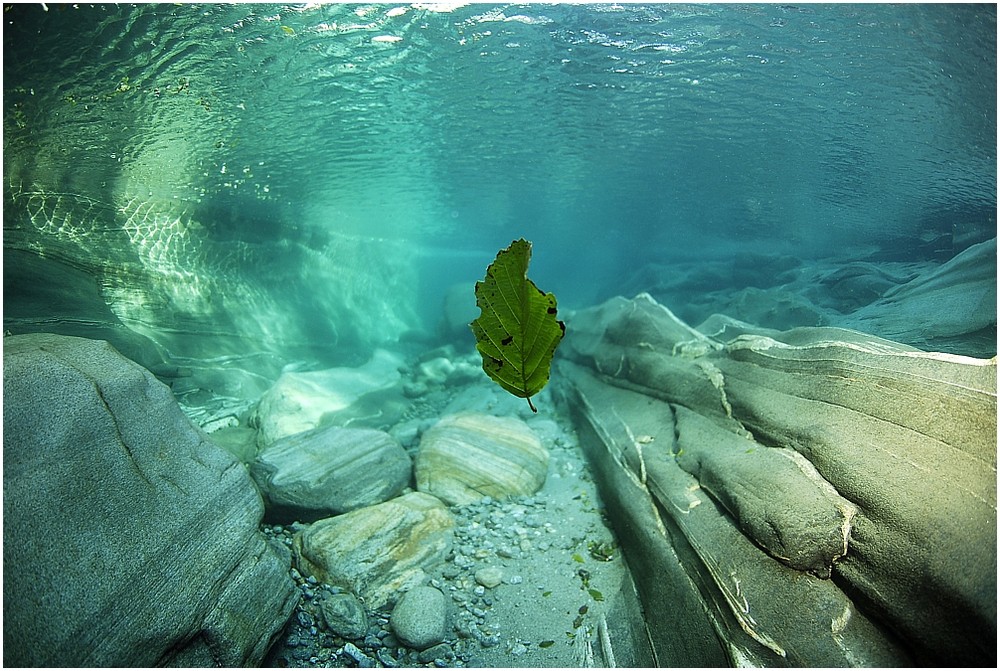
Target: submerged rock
[(129, 538), (299, 401), (344, 615), (420, 618), (465, 457), (329, 471), (953, 305), (753, 447), (775, 494), (378, 551)]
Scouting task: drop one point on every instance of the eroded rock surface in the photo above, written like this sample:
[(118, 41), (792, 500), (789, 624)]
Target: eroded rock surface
[(129, 538), (765, 451), (329, 471), (302, 401)]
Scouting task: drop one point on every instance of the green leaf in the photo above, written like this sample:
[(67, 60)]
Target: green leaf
[(517, 331), (595, 595)]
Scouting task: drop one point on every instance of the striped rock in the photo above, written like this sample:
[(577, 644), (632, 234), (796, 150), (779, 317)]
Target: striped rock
[(378, 551), (327, 471), (465, 457)]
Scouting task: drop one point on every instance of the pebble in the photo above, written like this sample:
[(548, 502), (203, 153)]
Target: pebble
[(387, 659), (419, 619), (489, 577), (441, 651), (489, 641), (363, 660), (344, 615)]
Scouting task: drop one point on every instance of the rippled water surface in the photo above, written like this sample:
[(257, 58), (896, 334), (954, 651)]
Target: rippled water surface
[(610, 135)]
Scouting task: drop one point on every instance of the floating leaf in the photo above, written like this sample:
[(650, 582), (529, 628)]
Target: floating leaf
[(548, 593), (546, 644), (517, 331), (595, 595), (287, 30), (577, 558)]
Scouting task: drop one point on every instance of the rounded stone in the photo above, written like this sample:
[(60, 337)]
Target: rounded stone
[(344, 615), (420, 617), (489, 577), (470, 458)]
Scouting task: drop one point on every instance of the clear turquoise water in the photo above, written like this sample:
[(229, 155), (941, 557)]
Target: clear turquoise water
[(301, 172)]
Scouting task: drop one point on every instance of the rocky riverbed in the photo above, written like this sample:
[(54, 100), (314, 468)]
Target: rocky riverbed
[(526, 582)]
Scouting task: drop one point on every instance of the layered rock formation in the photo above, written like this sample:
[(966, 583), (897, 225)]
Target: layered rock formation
[(129, 538), (954, 302), (743, 470)]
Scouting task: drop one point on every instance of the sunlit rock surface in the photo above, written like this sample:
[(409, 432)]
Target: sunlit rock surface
[(129, 538), (300, 401), (898, 446)]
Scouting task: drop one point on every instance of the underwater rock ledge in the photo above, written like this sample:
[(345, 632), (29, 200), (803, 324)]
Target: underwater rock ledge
[(904, 440)]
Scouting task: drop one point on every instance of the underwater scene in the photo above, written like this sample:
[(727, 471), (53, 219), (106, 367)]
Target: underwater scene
[(499, 335)]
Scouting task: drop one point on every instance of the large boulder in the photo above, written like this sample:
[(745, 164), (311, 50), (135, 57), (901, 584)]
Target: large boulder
[(129, 538), (329, 471), (378, 551), (468, 456), (760, 463)]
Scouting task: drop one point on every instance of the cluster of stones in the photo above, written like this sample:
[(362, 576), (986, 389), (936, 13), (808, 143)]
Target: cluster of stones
[(139, 464)]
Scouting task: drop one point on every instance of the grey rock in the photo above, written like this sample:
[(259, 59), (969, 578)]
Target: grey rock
[(441, 651), (298, 402), (108, 486), (489, 577), (386, 658), (355, 653), (330, 471), (420, 618), (955, 303), (240, 441), (378, 551), (908, 437), (466, 457), (344, 615), (756, 485)]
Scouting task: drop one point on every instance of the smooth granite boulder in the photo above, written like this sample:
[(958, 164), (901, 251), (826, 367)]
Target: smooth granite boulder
[(468, 456), (800, 441), (378, 551), (329, 471), (129, 538)]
